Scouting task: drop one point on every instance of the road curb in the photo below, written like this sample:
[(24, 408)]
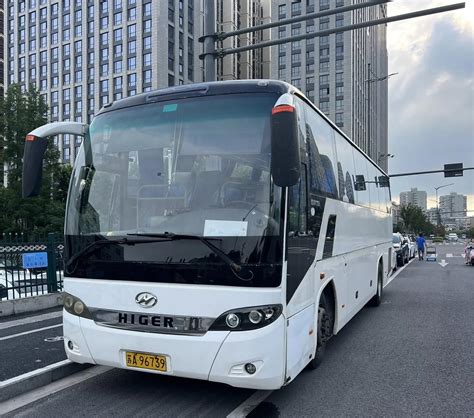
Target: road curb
[(30, 304), (32, 380)]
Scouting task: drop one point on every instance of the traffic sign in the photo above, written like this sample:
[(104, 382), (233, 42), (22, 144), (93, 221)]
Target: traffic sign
[(454, 170), (35, 260)]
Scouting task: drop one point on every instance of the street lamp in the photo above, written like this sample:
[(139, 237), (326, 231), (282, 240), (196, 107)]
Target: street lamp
[(438, 220), (382, 156), (369, 81)]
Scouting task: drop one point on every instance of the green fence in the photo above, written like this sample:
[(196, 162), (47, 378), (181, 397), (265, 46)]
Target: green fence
[(30, 266)]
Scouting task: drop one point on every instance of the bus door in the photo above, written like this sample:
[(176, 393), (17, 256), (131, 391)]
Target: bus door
[(301, 244)]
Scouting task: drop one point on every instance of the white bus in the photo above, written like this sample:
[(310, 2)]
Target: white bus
[(218, 231)]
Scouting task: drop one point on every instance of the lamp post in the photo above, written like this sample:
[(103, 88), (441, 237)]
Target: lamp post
[(438, 220), (369, 81), (382, 156)]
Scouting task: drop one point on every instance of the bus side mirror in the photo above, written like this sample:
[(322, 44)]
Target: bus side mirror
[(285, 161), (35, 146)]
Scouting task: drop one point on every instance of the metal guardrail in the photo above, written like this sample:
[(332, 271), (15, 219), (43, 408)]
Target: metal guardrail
[(30, 267)]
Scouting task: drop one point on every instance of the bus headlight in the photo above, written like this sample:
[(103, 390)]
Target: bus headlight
[(232, 320), (246, 319), (75, 306)]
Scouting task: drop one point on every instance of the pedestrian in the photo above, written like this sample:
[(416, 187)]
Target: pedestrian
[(420, 243)]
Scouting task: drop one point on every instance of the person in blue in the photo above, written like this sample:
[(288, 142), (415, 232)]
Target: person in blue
[(420, 243)]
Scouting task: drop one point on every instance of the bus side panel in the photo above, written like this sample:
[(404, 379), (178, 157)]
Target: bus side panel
[(301, 341)]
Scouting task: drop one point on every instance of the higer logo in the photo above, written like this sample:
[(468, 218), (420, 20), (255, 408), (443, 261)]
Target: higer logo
[(146, 300)]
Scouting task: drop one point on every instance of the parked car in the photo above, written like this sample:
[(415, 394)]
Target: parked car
[(19, 283), (6, 288), (411, 247), (400, 245)]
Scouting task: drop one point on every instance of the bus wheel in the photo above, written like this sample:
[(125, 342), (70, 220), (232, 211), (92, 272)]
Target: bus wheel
[(324, 332), (377, 299)]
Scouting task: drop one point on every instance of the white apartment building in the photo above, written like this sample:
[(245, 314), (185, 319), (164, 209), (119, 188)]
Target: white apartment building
[(414, 197), (82, 54), (334, 71), (453, 206)]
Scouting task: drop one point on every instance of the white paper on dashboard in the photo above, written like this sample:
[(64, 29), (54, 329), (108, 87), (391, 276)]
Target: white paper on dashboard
[(225, 228)]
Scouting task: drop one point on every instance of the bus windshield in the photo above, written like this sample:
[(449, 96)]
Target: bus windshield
[(197, 167)]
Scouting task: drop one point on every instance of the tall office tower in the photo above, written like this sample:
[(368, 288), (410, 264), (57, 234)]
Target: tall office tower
[(240, 14), (339, 72), (82, 54), (453, 205), (2, 47), (414, 197)]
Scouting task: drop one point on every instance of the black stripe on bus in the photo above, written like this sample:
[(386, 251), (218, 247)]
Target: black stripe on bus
[(329, 240)]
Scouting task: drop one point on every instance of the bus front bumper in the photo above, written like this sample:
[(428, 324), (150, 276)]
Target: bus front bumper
[(218, 356)]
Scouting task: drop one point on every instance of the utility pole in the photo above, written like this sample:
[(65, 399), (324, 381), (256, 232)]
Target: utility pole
[(369, 81), (210, 53), (209, 40), (369, 144)]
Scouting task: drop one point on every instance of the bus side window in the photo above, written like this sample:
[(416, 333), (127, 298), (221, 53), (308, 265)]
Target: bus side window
[(298, 206)]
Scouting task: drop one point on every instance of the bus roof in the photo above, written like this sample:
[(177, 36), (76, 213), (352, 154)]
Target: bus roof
[(201, 89)]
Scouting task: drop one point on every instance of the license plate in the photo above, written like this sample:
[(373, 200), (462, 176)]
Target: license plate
[(146, 361)]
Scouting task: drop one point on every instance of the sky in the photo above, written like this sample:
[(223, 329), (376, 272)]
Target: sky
[(431, 99)]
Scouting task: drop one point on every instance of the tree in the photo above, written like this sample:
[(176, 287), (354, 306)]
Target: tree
[(20, 113), (414, 219)]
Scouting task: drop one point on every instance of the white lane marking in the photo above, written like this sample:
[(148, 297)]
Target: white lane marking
[(249, 404), (443, 263), (29, 375), (399, 270), (30, 320), (34, 395), (449, 255), (29, 332)]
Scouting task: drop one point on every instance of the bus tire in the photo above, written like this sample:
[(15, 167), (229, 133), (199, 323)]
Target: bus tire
[(377, 299), (324, 332)]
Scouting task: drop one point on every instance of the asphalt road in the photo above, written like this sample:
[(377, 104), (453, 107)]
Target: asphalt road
[(30, 342), (412, 356)]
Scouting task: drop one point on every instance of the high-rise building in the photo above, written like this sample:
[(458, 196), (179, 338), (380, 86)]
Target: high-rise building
[(414, 197), (432, 214), (452, 206), (233, 15), (338, 72), (2, 47), (82, 54)]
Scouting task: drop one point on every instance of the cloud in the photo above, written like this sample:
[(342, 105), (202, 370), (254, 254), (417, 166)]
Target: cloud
[(431, 101)]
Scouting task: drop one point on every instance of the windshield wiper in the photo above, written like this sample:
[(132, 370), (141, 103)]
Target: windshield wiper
[(236, 268), (71, 265)]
